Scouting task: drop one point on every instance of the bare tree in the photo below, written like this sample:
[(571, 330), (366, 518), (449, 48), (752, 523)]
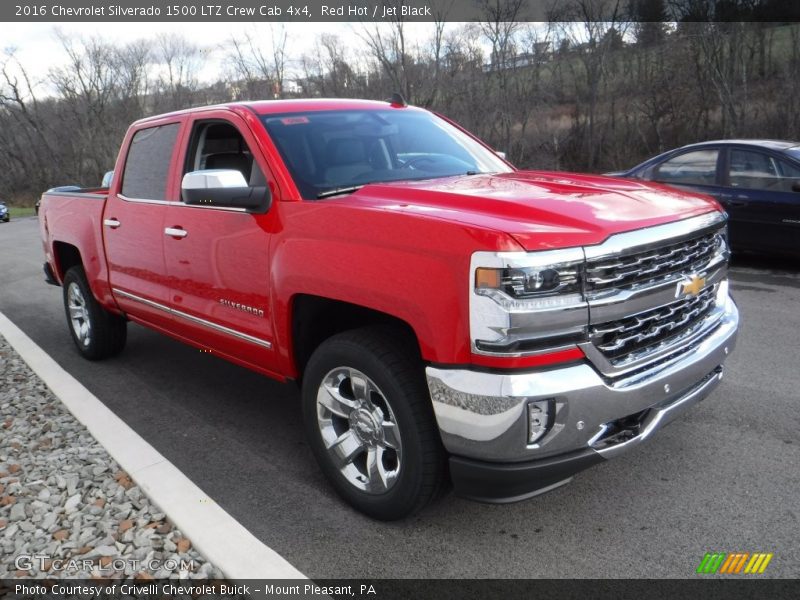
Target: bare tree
[(261, 72), (593, 29), (388, 46), (25, 141), (500, 28), (578, 93), (180, 62)]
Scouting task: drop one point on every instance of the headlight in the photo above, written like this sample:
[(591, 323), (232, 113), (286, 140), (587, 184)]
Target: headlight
[(529, 282), (525, 280), (524, 301)]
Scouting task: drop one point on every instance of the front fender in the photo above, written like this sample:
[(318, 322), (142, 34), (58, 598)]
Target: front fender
[(412, 267)]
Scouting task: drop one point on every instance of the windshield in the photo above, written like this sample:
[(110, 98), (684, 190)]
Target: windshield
[(330, 152)]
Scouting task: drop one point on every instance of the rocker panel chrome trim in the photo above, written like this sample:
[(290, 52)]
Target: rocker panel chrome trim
[(215, 326)]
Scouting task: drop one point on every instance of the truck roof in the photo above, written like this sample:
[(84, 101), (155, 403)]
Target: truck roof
[(266, 107)]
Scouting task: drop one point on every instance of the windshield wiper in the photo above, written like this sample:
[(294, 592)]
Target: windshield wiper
[(349, 189), (342, 190)]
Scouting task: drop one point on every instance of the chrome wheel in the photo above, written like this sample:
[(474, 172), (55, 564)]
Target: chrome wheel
[(79, 314), (359, 430)]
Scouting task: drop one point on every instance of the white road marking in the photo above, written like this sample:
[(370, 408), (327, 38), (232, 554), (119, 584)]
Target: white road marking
[(214, 533)]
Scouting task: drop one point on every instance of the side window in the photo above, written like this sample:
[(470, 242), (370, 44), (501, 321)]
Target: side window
[(219, 145), (698, 167), (147, 164), (759, 171)]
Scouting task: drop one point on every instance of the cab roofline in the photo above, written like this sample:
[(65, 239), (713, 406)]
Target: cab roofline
[(267, 107)]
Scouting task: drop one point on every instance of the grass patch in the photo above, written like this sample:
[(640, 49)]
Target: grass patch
[(21, 211)]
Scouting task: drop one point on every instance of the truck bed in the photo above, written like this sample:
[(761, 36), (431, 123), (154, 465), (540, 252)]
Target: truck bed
[(77, 216)]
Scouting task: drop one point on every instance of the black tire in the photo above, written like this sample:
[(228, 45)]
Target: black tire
[(107, 332), (420, 465)]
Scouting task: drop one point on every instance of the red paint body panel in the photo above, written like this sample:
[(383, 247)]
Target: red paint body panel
[(225, 255), (135, 250), (400, 248), (399, 262), (76, 219), (541, 210)]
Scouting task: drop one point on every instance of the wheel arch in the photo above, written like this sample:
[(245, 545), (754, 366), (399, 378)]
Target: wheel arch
[(65, 256), (315, 319)]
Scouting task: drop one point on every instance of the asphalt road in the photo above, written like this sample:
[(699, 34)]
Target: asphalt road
[(725, 477)]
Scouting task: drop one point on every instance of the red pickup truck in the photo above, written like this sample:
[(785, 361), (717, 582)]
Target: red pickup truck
[(449, 317)]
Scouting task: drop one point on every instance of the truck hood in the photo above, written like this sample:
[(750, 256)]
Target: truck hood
[(540, 210)]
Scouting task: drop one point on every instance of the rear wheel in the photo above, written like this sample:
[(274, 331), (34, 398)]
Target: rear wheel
[(370, 424), (97, 333)]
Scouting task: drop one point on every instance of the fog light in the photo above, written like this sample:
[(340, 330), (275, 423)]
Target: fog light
[(538, 419)]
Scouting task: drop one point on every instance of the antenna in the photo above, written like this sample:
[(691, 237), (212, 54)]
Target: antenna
[(397, 100)]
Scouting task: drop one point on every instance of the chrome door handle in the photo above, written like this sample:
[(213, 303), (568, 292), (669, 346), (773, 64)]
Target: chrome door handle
[(175, 232), (112, 223)]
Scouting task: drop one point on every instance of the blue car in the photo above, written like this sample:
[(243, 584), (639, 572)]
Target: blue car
[(757, 181), (4, 215)]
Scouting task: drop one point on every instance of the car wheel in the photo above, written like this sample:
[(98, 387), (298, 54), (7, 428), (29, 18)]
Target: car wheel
[(97, 333), (369, 420)]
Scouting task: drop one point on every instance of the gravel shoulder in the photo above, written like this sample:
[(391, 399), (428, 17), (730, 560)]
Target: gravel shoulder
[(66, 507)]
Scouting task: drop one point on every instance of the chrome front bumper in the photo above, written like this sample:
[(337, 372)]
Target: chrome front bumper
[(483, 416)]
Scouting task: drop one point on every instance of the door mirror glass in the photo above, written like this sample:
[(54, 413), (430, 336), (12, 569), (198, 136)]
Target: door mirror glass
[(223, 188), (501, 154), (107, 178)]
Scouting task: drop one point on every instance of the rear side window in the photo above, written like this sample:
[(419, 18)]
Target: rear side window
[(759, 171), (698, 167), (147, 165)]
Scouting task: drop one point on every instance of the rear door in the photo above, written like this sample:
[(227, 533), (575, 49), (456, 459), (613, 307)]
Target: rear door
[(217, 258), (764, 209), (133, 222)]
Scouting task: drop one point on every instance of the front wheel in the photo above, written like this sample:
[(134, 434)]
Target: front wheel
[(370, 424), (96, 332)]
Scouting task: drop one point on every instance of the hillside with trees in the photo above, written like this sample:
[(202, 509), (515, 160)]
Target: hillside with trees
[(588, 91)]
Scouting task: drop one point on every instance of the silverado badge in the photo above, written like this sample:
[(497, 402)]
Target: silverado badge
[(690, 287), (258, 312)]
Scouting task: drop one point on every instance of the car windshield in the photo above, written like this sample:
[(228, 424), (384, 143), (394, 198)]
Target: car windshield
[(336, 152)]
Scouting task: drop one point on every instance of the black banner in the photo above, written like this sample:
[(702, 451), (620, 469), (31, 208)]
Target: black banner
[(393, 10), (747, 587)]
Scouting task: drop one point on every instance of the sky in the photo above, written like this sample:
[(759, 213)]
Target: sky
[(38, 49)]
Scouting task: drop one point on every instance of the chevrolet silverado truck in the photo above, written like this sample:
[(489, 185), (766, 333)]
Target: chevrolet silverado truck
[(451, 320)]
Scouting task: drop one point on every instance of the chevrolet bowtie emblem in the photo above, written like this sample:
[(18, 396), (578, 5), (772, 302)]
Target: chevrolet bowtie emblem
[(692, 287)]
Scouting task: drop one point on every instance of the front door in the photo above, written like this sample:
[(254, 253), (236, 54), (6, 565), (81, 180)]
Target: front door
[(693, 170), (218, 258)]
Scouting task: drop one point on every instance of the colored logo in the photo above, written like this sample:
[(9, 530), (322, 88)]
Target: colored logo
[(692, 287), (734, 563)]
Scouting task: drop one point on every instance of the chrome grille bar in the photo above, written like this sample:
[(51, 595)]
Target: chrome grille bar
[(617, 339), (650, 266)]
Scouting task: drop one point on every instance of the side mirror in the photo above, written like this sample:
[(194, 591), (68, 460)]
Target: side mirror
[(107, 179), (500, 154), (226, 188), (796, 186)]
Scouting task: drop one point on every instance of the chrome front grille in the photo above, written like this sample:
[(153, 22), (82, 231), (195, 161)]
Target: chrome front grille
[(651, 330), (650, 266)]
